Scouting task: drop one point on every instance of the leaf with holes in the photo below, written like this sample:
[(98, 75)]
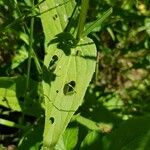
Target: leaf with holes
[(67, 69)]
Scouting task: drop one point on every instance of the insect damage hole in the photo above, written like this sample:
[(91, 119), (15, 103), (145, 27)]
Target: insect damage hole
[(53, 62), (51, 119), (78, 53), (55, 17), (69, 88)]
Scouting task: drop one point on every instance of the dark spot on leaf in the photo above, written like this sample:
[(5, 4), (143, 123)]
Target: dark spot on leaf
[(57, 91), (51, 120), (52, 64), (69, 88), (78, 53), (55, 17)]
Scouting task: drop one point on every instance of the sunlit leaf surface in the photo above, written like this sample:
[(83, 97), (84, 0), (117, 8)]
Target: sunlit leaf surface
[(68, 69)]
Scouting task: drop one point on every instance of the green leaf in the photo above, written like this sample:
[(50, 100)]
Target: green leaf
[(82, 18), (134, 134), (19, 57), (60, 103), (86, 122), (9, 123), (92, 125), (55, 17), (68, 140), (98, 22), (92, 141), (68, 69), (70, 137), (12, 95), (32, 139), (60, 144), (147, 25), (24, 37)]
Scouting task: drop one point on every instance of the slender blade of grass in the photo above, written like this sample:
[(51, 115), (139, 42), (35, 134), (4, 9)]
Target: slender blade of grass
[(98, 22)]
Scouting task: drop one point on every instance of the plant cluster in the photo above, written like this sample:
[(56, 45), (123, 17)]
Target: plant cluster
[(74, 74)]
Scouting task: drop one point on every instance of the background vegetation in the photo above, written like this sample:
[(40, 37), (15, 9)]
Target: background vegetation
[(116, 107)]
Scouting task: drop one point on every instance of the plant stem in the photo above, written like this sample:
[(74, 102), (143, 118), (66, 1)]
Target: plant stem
[(30, 52), (82, 18)]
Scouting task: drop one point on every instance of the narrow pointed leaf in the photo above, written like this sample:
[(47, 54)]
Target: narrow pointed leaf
[(98, 22)]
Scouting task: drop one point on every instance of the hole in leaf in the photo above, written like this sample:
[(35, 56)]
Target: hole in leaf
[(78, 53), (52, 64), (69, 88), (51, 120), (57, 91), (55, 17)]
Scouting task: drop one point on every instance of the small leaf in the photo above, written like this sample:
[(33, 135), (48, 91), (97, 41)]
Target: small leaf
[(9, 123), (86, 122), (19, 57), (92, 125), (68, 140), (24, 37), (92, 141), (70, 137)]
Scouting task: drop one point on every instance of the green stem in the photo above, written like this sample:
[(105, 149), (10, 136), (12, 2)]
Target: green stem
[(71, 22), (30, 52), (20, 15), (82, 18)]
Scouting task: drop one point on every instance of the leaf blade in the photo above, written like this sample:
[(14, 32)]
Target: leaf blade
[(72, 65)]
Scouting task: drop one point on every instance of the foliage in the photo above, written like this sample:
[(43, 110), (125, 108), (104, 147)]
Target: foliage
[(74, 74)]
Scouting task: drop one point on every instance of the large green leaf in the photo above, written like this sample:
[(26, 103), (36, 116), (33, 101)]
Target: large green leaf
[(67, 69)]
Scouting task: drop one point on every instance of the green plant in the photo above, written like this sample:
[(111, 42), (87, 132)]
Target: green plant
[(48, 97), (69, 59)]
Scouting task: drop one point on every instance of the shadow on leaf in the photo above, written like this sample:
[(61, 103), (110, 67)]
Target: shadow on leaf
[(65, 41)]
